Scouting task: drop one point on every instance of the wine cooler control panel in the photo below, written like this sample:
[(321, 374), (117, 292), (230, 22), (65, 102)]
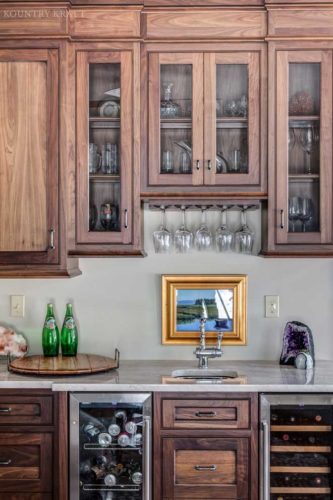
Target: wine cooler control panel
[(296, 447), (110, 446)]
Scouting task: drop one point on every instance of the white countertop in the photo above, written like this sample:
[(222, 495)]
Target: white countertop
[(255, 376)]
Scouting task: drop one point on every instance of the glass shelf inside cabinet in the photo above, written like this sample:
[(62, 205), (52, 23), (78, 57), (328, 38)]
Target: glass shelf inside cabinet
[(104, 147), (304, 147), (232, 118), (301, 453), (176, 119)]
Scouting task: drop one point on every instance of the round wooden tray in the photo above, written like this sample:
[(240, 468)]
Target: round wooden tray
[(82, 364)]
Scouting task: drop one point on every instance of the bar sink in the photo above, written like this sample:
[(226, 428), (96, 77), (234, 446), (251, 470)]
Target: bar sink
[(204, 374)]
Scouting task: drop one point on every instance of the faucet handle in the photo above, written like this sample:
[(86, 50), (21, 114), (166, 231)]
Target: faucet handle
[(219, 340)]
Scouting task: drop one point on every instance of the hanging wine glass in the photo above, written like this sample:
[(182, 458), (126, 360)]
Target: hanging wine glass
[(203, 237), (308, 142), (244, 238), (224, 237), (183, 237), (162, 237)]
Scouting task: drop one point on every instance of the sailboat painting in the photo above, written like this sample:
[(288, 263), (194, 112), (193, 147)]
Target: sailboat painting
[(219, 304)]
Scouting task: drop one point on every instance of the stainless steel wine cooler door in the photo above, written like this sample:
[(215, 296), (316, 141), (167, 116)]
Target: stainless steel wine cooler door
[(296, 444), (110, 446)]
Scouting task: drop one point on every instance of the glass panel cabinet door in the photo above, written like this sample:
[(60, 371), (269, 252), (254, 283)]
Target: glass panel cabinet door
[(232, 118), (104, 147), (175, 119), (304, 147)]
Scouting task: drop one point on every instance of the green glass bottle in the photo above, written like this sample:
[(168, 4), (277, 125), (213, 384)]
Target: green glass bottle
[(50, 336), (69, 334)]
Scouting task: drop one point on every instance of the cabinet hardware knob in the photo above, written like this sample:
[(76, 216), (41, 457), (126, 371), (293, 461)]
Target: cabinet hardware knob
[(126, 218), (209, 164), (205, 414), (5, 410), (52, 246), (198, 164), (5, 462), (205, 467), (282, 219)]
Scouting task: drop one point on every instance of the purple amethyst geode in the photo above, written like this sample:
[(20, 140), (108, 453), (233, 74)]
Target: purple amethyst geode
[(297, 337)]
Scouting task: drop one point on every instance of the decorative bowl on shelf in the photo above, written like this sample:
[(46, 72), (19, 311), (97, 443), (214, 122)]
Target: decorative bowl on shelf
[(301, 104), (109, 109)]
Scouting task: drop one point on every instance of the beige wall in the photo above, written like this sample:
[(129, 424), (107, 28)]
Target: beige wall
[(117, 301)]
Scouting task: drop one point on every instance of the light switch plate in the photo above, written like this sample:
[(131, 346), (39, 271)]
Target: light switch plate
[(272, 306), (17, 306)]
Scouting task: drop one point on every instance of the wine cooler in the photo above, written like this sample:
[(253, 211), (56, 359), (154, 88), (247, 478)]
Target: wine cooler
[(110, 446), (296, 447)]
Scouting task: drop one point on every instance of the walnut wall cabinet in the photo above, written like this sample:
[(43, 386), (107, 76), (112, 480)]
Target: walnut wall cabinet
[(106, 199), (206, 111), (299, 218), (32, 168), (205, 446)]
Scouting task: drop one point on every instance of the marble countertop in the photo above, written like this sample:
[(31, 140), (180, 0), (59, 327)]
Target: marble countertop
[(254, 376)]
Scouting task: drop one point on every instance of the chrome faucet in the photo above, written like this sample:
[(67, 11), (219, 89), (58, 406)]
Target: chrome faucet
[(202, 352)]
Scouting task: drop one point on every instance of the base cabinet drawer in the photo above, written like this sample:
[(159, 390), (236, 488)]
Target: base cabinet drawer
[(23, 410), (25, 464), (197, 468)]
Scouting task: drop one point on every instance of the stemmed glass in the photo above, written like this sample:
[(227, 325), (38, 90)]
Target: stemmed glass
[(306, 212), (309, 139), (291, 138), (294, 210), (244, 238), (224, 237), (183, 237), (162, 237), (203, 237)]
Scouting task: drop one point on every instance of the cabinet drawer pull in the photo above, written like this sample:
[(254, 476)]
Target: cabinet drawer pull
[(205, 467), (198, 164), (282, 219), (209, 164), (126, 218), (5, 462), (5, 410), (52, 246), (205, 414)]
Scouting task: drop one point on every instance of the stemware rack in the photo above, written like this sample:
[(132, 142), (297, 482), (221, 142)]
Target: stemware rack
[(209, 204)]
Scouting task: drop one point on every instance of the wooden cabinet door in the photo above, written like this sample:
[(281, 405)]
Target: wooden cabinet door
[(175, 116), (233, 110), (209, 467), (104, 149), (303, 168), (29, 170)]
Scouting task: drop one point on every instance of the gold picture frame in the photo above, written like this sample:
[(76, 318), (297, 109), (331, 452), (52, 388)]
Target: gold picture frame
[(182, 297)]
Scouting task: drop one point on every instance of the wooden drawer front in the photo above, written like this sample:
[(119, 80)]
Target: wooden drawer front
[(35, 21), (314, 22), (207, 24), (206, 414), (23, 410), (28, 496), (101, 23), (205, 468), (26, 462)]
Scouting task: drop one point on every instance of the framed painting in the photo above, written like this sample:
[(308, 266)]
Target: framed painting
[(221, 298)]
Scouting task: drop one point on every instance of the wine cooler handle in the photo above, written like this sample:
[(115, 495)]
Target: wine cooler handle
[(266, 468), (147, 451), (52, 246)]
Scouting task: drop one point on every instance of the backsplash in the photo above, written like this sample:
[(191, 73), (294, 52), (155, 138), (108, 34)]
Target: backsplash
[(117, 301)]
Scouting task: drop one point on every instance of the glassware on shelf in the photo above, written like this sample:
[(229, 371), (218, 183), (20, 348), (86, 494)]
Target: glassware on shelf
[(93, 216), (230, 108), (235, 164), (237, 107), (169, 108), (110, 158), (162, 237), (306, 212), (309, 138), (108, 216), (94, 159), (203, 237), (167, 162), (294, 209), (183, 237), (224, 238), (244, 238), (291, 138), (185, 163)]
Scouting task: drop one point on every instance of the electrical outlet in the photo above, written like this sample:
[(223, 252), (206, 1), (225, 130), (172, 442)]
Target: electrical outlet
[(17, 306), (272, 306)]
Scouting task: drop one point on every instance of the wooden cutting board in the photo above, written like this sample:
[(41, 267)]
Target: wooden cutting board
[(82, 364)]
